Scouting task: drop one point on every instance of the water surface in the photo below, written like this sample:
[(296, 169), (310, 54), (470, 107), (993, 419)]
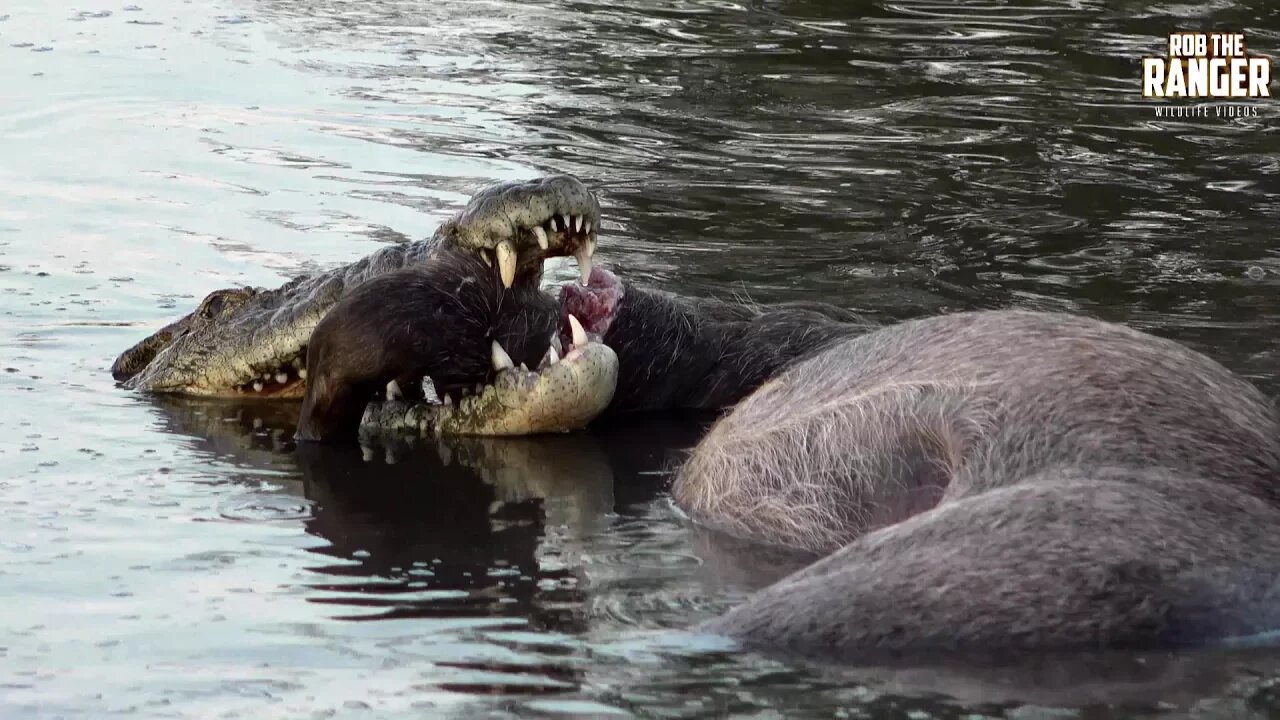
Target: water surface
[(181, 559)]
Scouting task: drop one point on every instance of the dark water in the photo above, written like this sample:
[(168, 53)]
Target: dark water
[(176, 559)]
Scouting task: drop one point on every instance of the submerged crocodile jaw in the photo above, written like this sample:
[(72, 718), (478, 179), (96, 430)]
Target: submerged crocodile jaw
[(559, 397), (252, 342)]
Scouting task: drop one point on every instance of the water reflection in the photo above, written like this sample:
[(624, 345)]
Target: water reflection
[(458, 537), (441, 528)]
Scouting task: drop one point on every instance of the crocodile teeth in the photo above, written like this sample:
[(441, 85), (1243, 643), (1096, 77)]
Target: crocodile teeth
[(586, 225), (579, 335), (302, 373), (429, 390), (257, 386), (575, 221), (501, 360), (541, 234), (557, 223), (583, 257), (506, 262), (393, 391), (551, 358), (282, 377)]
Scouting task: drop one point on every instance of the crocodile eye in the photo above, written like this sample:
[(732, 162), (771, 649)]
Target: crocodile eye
[(220, 301), (213, 305)]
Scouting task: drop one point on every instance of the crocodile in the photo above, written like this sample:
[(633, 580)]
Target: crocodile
[(253, 342)]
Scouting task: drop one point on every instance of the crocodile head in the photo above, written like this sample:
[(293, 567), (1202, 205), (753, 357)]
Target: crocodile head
[(253, 341)]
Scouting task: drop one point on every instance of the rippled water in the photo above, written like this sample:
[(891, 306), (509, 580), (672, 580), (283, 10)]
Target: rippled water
[(181, 559)]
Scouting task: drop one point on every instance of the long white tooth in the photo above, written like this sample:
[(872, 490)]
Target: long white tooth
[(506, 262), (586, 225), (302, 373), (555, 342), (541, 234), (429, 390), (257, 386), (501, 360), (556, 223), (552, 357), (393, 391), (448, 399), (584, 263), (575, 222), (282, 378), (484, 255), (579, 335)]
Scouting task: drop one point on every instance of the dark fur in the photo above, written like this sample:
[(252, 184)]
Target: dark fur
[(678, 353), (436, 319), (1095, 487)]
